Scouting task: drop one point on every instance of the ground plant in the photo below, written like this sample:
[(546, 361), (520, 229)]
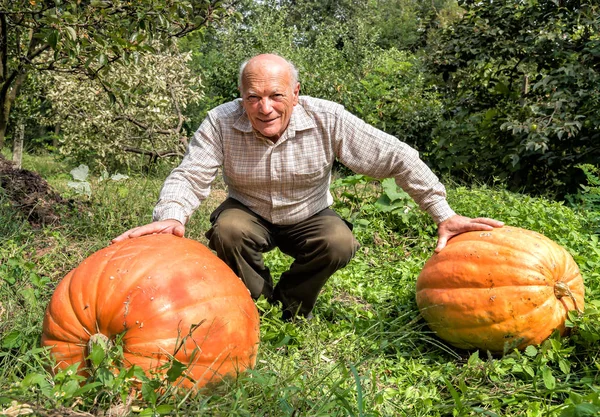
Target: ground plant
[(367, 352)]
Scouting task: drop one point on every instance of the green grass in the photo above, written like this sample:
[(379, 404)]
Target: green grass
[(366, 353)]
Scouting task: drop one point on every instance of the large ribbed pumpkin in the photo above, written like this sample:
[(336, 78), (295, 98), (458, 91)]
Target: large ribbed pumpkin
[(171, 297), (498, 290)]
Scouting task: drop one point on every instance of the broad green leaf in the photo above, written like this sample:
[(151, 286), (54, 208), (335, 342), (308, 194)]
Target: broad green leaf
[(176, 370), (98, 354), (385, 205), (138, 373), (149, 391), (8, 276), (564, 365), (38, 380), (392, 191), (474, 358), (103, 4), (72, 33), (531, 351), (164, 409), (119, 177), (28, 294), (69, 388), (12, 340), (548, 377), (87, 388), (102, 59), (105, 376), (53, 38), (80, 187), (147, 412)]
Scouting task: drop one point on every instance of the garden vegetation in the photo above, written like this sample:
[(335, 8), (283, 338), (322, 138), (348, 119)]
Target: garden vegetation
[(501, 99)]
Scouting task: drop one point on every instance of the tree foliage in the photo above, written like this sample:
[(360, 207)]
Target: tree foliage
[(85, 37), (524, 89), (146, 116), (510, 91), (29, 109), (394, 94), (400, 24), (409, 24), (338, 59)]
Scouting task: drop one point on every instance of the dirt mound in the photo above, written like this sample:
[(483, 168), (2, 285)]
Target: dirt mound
[(30, 194)]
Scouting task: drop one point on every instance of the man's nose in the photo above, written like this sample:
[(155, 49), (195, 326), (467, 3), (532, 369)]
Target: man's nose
[(266, 106)]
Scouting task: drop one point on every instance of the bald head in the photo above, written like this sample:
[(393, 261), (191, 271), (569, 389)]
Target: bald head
[(267, 62)]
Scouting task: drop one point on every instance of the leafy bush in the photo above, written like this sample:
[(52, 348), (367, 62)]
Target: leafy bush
[(394, 96), (587, 199), (523, 93), (338, 61), (141, 113)]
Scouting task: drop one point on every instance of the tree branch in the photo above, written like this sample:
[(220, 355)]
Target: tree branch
[(23, 12), (177, 109), (145, 127), (207, 18), (6, 86), (153, 154), (31, 55), (17, 86)]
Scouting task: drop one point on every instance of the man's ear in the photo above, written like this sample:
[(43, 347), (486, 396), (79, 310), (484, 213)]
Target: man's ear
[(296, 93)]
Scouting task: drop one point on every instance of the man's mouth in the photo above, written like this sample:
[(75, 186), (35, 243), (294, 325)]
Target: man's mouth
[(268, 120)]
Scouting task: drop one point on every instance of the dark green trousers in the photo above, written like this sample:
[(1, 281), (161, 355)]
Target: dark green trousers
[(319, 245)]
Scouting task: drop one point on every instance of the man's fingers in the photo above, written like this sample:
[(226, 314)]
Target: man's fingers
[(166, 226), (179, 231), (135, 232), (441, 243), (489, 222), (122, 236), (460, 224)]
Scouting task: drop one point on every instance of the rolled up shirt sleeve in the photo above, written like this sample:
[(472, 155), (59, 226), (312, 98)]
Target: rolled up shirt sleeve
[(189, 184), (370, 151)]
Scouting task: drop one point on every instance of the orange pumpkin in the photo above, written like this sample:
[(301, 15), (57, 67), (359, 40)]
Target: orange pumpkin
[(498, 290), (170, 296)]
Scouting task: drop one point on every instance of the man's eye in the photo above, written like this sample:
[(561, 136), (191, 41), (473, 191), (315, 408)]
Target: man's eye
[(253, 99), (278, 97)]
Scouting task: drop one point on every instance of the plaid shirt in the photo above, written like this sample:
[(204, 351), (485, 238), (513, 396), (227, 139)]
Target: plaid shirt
[(288, 181)]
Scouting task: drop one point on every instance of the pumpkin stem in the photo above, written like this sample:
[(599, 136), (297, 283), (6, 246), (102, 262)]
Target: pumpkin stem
[(101, 340), (561, 290)]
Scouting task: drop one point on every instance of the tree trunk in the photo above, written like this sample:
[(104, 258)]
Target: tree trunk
[(55, 137), (8, 94), (4, 112), (18, 144)]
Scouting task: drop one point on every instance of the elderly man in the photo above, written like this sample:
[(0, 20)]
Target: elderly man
[(276, 150)]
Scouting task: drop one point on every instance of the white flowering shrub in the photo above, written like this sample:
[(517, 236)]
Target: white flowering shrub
[(133, 109)]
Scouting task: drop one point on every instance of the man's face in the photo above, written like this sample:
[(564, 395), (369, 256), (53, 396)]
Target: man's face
[(269, 96)]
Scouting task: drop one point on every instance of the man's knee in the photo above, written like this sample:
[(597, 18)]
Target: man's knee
[(340, 245), (235, 229), (228, 230)]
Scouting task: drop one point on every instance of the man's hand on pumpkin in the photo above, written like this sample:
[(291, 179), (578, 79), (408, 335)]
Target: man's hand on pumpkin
[(457, 224), (164, 226)]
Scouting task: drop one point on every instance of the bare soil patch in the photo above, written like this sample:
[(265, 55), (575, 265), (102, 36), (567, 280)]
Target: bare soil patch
[(31, 195)]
